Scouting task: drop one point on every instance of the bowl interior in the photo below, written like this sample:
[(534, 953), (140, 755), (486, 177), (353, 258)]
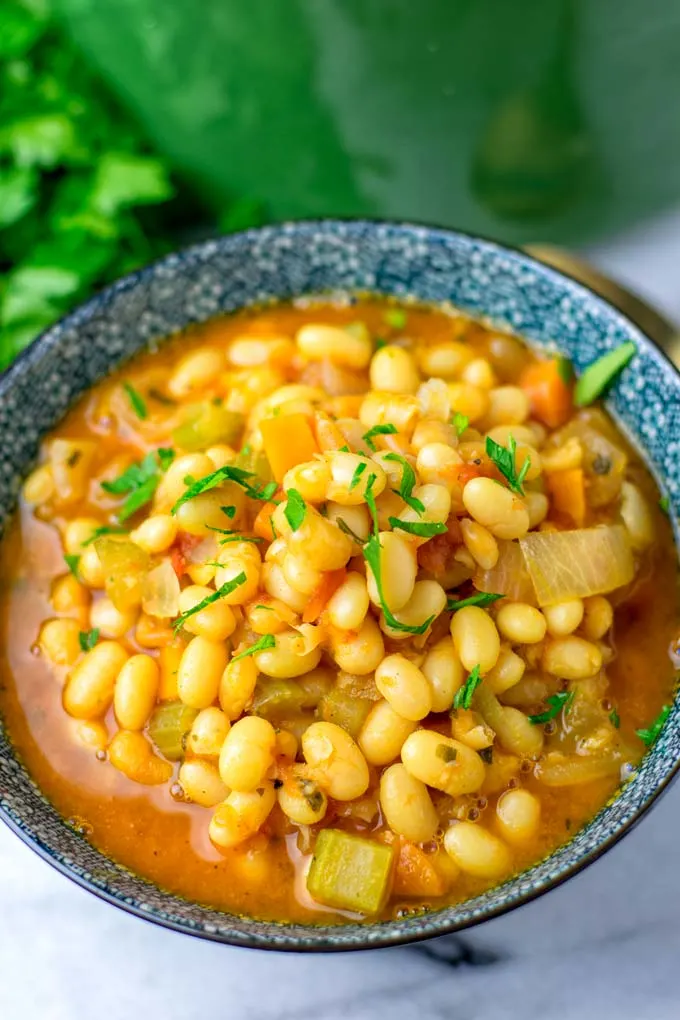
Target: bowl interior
[(484, 279)]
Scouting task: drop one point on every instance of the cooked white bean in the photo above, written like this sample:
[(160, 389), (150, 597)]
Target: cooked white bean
[(404, 686), (383, 734), (335, 761), (521, 623), (571, 658), (201, 783), (477, 851), (564, 618), (247, 753), (406, 805), (497, 508), (444, 672), (89, 689), (475, 638), (134, 695), (199, 672), (518, 814), (442, 762)]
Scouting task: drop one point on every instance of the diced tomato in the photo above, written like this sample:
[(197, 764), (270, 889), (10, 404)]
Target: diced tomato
[(180, 550)]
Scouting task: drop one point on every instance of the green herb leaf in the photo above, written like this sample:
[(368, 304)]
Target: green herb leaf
[(88, 639), (601, 373), (380, 342), (266, 641), (226, 589), (395, 318), (565, 370), (136, 402), (232, 536), (649, 735), (229, 511), (140, 481), (504, 459), (378, 430), (408, 481), (344, 526), (463, 698), (446, 752), (615, 719), (72, 562), (460, 422), (665, 504), (358, 472), (480, 598), (212, 481), (295, 509), (424, 529), (124, 179), (556, 703), (103, 530)]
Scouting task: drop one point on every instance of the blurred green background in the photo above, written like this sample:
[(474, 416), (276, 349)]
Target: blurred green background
[(128, 127)]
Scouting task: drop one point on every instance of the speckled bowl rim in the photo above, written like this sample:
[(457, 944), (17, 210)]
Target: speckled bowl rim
[(327, 938)]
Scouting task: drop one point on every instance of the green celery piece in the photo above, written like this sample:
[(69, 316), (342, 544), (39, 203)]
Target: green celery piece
[(169, 726), (206, 425), (275, 697), (596, 377), (342, 709), (350, 872)]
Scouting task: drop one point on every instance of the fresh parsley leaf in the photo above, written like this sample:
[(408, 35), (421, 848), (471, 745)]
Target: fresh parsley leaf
[(136, 401), (463, 697), (232, 536), (378, 430), (504, 459), (446, 752), (228, 473), (380, 342), (226, 589), (266, 641), (556, 703), (665, 504), (140, 481), (395, 318), (615, 719), (344, 526), (72, 562), (88, 638), (229, 511), (105, 529), (344, 449), (424, 529), (649, 735), (480, 598), (460, 422), (295, 509), (356, 477), (565, 370), (597, 377), (408, 481)]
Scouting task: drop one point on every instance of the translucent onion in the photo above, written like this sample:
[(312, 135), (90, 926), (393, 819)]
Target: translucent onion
[(509, 577), (160, 591), (575, 564), (557, 769), (433, 397)]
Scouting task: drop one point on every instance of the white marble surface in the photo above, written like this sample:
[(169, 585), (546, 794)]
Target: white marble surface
[(604, 945)]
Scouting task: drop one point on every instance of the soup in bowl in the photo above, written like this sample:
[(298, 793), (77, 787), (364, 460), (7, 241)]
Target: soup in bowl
[(343, 618)]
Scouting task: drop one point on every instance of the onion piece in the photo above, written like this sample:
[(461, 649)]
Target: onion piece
[(160, 591), (509, 577), (575, 564), (557, 769)]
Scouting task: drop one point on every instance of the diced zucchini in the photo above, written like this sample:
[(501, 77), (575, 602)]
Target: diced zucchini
[(350, 872), (169, 727), (344, 710), (208, 424)]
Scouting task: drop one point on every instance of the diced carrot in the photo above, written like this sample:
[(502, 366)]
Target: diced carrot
[(415, 874), (262, 525), (548, 393), (288, 440), (568, 492), (329, 585)]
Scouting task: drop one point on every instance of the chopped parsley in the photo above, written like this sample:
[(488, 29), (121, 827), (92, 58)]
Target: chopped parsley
[(601, 373), (136, 401), (424, 529), (72, 562), (229, 511), (395, 318), (140, 481), (615, 719), (231, 536), (480, 598), (378, 430), (565, 370), (266, 641), (556, 703), (358, 472), (226, 589), (463, 698), (665, 504), (649, 735), (105, 529), (504, 459), (88, 638), (446, 752), (460, 422), (408, 481), (228, 473), (295, 510)]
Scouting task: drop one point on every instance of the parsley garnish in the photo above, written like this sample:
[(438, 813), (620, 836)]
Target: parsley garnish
[(408, 481), (565, 369), (266, 641), (140, 481), (229, 511), (480, 598), (615, 719), (460, 422), (446, 752), (295, 509), (378, 430), (136, 402), (231, 536), (649, 735), (72, 562), (424, 529), (395, 318), (665, 504), (103, 530), (228, 473), (555, 703), (463, 698), (504, 459), (358, 472), (597, 377), (88, 639), (380, 342), (226, 589)]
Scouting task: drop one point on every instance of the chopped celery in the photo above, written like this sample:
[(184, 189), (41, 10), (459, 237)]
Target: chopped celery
[(169, 727), (208, 424), (344, 710), (350, 872), (125, 566), (274, 697)]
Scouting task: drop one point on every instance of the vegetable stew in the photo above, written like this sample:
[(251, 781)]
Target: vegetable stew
[(337, 610)]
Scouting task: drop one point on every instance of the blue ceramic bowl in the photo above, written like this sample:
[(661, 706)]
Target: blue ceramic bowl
[(483, 278)]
